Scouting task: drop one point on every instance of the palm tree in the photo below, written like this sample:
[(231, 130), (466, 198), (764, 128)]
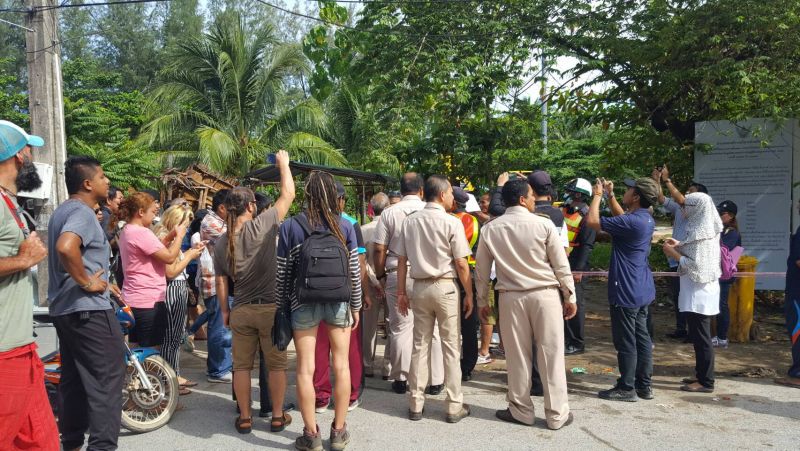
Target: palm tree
[(354, 128), (226, 97)]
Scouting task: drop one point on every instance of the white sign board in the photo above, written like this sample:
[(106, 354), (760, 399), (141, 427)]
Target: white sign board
[(751, 163)]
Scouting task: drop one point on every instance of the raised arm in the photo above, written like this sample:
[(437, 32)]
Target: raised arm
[(284, 202)]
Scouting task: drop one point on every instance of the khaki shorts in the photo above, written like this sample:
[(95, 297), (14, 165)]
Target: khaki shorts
[(251, 325), (494, 312)]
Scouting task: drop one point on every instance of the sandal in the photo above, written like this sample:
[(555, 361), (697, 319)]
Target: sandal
[(788, 381), (188, 383), (243, 425), (184, 391), (279, 424)]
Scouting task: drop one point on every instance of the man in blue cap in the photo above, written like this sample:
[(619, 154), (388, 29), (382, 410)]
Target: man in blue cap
[(26, 419)]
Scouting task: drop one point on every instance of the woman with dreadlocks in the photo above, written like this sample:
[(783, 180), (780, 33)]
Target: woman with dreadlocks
[(320, 277), (244, 260)]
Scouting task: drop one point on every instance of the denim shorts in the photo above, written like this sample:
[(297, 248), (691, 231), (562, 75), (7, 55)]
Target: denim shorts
[(335, 314)]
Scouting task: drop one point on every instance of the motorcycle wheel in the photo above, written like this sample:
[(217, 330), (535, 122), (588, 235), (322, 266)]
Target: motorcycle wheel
[(144, 410)]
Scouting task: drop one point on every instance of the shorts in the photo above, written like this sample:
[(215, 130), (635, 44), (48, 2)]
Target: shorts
[(494, 309), (151, 325), (251, 325), (335, 314)]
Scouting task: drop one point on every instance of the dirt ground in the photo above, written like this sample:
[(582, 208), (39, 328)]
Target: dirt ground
[(767, 357)]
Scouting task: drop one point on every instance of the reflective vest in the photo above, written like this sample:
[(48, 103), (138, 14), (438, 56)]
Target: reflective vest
[(573, 222), (472, 230)]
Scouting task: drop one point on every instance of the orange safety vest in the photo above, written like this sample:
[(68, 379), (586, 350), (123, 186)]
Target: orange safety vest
[(573, 222), (472, 230)]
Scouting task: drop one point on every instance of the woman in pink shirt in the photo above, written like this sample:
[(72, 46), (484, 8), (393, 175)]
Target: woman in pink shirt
[(144, 262)]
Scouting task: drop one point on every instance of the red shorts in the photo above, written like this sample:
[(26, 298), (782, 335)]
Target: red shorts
[(26, 418)]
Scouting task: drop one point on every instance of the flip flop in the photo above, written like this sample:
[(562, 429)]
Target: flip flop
[(188, 383), (788, 382), (184, 391)]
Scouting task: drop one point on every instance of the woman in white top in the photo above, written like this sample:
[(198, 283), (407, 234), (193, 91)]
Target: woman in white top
[(177, 291), (699, 268)]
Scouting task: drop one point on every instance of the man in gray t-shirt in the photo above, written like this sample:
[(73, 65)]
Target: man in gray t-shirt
[(92, 350), (63, 292)]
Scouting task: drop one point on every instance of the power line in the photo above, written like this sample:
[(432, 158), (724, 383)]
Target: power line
[(16, 25), (64, 4)]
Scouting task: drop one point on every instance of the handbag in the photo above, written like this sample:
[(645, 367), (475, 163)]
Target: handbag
[(282, 328)]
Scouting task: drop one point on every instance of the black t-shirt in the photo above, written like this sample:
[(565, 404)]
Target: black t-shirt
[(730, 238)]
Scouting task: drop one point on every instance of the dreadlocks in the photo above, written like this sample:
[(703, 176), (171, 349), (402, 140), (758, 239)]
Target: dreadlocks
[(236, 204), (321, 199)]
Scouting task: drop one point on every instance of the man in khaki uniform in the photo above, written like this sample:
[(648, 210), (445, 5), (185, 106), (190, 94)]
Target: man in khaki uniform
[(370, 316), (436, 246), (532, 276), (387, 237)]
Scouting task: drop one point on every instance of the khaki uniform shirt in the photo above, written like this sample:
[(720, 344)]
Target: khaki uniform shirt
[(368, 234), (528, 254), (388, 230), (432, 240)]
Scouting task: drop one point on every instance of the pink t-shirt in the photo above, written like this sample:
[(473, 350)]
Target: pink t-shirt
[(145, 277)]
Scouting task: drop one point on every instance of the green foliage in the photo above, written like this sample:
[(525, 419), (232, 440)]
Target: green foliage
[(13, 103), (225, 95)]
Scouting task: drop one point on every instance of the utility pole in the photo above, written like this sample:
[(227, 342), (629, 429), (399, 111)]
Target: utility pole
[(46, 109), (543, 100)]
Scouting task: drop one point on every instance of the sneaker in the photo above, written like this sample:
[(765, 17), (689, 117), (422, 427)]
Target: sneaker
[(415, 416), (308, 441), (617, 394), (722, 344), (460, 415), (354, 404), (321, 406), (339, 438), (226, 378), (715, 341), (645, 393), (484, 359), (188, 342)]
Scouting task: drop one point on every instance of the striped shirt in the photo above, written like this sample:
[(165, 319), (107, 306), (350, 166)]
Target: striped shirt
[(290, 240)]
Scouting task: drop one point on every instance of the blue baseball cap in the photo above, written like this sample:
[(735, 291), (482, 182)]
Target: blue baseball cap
[(13, 139)]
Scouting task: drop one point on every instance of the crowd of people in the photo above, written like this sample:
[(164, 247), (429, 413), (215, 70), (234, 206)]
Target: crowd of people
[(442, 268)]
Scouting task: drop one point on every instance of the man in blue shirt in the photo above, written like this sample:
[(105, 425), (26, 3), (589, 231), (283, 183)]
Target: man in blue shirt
[(673, 205), (630, 282)]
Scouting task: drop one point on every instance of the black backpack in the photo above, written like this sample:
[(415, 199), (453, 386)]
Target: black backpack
[(323, 272)]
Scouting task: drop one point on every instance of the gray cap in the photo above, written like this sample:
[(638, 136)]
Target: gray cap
[(340, 191), (460, 195)]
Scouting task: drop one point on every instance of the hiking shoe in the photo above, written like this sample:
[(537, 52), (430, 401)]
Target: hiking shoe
[(458, 416), (309, 441), (618, 394), (645, 393), (354, 404), (226, 378), (484, 359), (321, 406), (339, 438)]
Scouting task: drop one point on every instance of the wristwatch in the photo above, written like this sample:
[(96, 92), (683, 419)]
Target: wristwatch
[(88, 285)]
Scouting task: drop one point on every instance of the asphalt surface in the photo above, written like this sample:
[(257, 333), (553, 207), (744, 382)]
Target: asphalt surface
[(742, 414)]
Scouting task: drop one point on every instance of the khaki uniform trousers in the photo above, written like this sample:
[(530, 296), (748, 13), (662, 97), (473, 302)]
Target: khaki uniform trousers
[(528, 319), (436, 300), (402, 336), (369, 343)]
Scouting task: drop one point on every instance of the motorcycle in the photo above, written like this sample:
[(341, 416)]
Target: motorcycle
[(150, 394)]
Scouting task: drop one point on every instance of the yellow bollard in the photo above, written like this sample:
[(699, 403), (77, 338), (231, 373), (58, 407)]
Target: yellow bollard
[(741, 301)]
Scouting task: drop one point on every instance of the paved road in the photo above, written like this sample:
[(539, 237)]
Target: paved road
[(742, 414)]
